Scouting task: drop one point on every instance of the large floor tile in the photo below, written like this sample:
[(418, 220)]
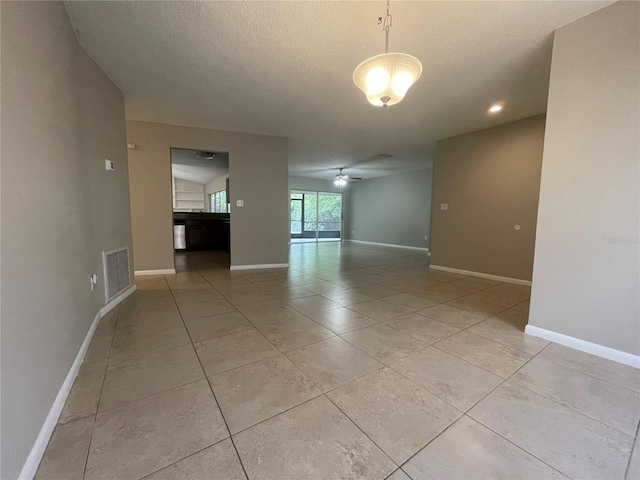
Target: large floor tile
[(452, 316), (142, 437), (148, 375), (476, 306), (100, 346), (141, 339), (412, 302), (250, 394), (66, 454), (613, 372), (316, 303), (610, 404), (189, 311), (399, 416), (220, 461), (242, 293), (341, 320), (469, 450), (292, 332), (450, 378), (423, 328), (383, 343), (450, 288), (508, 334), (484, 353), (196, 296), (179, 288), (633, 471), (570, 442), (376, 291), (380, 310), (518, 291), (398, 475), (495, 298), (85, 394), (146, 300), (224, 353), (291, 293), (332, 363), (347, 297), (213, 326), (435, 297), (160, 316), (312, 441)]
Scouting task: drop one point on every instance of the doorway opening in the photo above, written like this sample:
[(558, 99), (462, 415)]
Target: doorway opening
[(316, 216), (201, 210)]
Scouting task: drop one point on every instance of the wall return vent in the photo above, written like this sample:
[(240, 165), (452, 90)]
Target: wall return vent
[(116, 271)]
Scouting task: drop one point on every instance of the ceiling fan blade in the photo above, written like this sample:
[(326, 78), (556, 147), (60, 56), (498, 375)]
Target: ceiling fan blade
[(355, 178)]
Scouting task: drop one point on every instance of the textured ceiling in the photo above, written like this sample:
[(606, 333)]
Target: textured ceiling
[(186, 166), (285, 68)]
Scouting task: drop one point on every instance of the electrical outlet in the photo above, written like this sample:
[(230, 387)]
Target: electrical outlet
[(426, 237), (444, 206)]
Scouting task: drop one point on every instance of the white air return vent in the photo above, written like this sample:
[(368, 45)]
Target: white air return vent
[(116, 271)]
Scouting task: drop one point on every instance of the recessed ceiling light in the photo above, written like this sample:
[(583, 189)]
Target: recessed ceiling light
[(495, 108)]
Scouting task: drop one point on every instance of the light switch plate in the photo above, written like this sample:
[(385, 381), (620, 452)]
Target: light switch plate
[(444, 206), (239, 203), (109, 165)]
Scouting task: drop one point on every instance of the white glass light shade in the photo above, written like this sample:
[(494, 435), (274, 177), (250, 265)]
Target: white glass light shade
[(387, 77), (340, 182)]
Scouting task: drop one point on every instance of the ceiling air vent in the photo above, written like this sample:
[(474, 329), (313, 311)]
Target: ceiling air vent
[(205, 155), (116, 271)]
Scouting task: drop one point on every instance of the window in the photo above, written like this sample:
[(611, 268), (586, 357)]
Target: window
[(219, 202)]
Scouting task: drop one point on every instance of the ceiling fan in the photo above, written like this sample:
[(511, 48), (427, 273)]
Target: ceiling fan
[(341, 179)]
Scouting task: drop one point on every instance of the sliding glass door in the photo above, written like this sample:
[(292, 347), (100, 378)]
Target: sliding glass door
[(316, 216)]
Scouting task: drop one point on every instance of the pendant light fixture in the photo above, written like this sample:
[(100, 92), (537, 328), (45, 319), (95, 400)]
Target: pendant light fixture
[(385, 78)]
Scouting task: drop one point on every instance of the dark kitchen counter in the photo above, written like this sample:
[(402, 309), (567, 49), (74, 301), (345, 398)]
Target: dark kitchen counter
[(204, 231)]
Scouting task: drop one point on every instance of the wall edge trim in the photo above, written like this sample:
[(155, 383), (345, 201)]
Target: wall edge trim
[(34, 458), (257, 267), (585, 346), (392, 245), (165, 271), (488, 276), (117, 300)]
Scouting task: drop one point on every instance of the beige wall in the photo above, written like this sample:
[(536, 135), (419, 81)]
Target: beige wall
[(394, 209), (258, 167), (587, 265), (61, 117), (491, 181)]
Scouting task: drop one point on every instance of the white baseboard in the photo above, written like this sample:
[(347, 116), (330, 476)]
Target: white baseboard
[(257, 267), (488, 276), (584, 346), (32, 463), (37, 451), (166, 271), (392, 245), (116, 301)]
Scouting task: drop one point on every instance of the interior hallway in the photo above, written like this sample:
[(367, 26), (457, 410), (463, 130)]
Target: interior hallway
[(352, 363)]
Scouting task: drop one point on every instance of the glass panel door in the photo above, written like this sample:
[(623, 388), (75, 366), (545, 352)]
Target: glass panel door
[(310, 213), (316, 216), (329, 216), (296, 215)]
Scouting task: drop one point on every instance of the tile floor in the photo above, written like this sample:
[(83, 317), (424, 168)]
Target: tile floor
[(356, 362)]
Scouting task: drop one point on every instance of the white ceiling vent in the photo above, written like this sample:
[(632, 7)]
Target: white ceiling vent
[(116, 271)]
